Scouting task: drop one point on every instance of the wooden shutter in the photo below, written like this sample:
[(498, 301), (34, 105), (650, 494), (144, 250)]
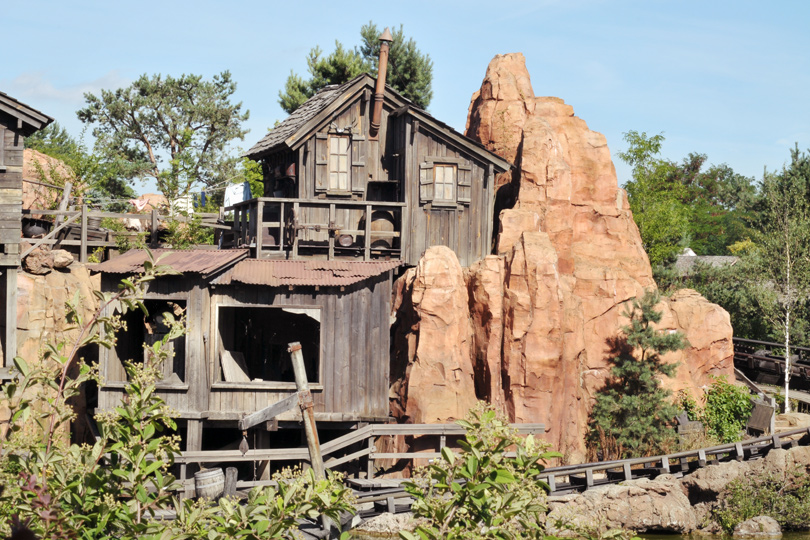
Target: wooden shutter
[(321, 162), (358, 164), (2, 148), (464, 183), (426, 182)]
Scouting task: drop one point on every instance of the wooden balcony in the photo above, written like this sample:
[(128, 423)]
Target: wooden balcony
[(321, 228)]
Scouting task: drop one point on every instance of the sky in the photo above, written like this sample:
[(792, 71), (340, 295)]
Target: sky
[(728, 79)]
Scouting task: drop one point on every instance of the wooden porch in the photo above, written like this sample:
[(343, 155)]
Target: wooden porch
[(290, 228)]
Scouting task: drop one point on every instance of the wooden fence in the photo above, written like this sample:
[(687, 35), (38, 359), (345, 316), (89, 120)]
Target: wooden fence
[(64, 219)]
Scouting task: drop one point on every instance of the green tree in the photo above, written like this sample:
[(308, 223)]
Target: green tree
[(782, 254), (410, 72), (175, 130), (684, 204), (661, 217), (92, 177), (633, 412)]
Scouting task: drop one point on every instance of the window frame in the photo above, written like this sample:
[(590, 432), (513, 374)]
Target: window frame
[(336, 189), (218, 381), (452, 184)]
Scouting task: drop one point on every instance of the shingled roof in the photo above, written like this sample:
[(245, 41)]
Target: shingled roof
[(295, 126), (300, 116), (282, 273)]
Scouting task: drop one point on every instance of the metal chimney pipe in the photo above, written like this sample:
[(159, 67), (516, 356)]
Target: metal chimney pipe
[(379, 91)]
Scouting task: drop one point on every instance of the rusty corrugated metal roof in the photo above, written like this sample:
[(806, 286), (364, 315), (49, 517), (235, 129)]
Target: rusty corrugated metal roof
[(279, 273), (199, 261)]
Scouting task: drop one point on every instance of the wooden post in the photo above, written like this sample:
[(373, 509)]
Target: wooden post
[(367, 233), (64, 202), (259, 228), (153, 240), (331, 232), (83, 249), (230, 481), (308, 414), (10, 343), (295, 217)]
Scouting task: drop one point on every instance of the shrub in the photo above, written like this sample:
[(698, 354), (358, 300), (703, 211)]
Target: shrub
[(784, 497), (481, 492), (727, 409)]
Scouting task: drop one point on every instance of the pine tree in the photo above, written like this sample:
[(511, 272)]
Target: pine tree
[(633, 413), (410, 72)]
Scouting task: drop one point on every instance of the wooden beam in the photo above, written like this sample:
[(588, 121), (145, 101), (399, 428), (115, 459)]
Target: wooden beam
[(269, 412)]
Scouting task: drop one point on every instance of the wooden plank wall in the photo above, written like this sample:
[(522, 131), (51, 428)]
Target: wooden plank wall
[(465, 229), (354, 349), (194, 292), (10, 194), (364, 150)]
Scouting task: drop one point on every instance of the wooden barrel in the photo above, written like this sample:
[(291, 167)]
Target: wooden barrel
[(382, 221), (209, 483)]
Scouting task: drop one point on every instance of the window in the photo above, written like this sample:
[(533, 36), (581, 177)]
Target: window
[(444, 183), (253, 343), (339, 163), (144, 331)]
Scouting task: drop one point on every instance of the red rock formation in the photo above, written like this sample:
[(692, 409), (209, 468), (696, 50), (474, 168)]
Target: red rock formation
[(569, 257)]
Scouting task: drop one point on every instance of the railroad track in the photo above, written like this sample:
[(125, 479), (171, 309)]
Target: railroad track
[(569, 479)]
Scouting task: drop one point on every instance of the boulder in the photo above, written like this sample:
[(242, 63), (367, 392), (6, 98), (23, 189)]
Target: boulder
[(639, 505), (62, 258), (441, 366), (758, 527), (39, 262)]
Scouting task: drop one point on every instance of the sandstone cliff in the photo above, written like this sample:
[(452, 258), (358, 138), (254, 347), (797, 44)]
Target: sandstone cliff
[(527, 329)]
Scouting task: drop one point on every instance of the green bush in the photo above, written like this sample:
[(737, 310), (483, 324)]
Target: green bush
[(784, 497), (727, 409)]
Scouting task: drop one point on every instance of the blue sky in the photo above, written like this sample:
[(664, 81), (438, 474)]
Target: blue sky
[(728, 79)]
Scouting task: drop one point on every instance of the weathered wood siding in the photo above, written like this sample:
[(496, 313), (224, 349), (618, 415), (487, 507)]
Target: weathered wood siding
[(11, 167), (354, 353), (189, 401), (466, 228)]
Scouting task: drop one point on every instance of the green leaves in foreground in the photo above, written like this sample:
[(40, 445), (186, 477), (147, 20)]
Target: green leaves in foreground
[(489, 489)]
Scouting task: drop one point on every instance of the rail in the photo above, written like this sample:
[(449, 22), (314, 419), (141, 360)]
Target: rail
[(363, 436), (284, 227), (569, 479), (85, 216), (765, 356)]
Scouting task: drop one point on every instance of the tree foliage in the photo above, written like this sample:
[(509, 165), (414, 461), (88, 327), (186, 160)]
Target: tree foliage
[(633, 413), (175, 130), (410, 72), (480, 492), (676, 205), (92, 177), (782, 254)]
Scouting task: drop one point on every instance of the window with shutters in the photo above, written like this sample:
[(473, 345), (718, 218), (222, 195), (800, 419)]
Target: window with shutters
[(444, 183), (339, 163)]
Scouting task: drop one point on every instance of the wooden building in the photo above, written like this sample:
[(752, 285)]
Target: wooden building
[(17, 121), (358, 182), (241, 314), (362, 173)]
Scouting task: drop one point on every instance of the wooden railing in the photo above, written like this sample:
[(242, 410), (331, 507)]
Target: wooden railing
[(286, 222), (365, 435), (82, 217)]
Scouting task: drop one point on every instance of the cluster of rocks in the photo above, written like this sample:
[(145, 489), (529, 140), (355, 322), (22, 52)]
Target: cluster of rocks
[(664, 505), (671, 505), (43, 259), (529, 329)]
